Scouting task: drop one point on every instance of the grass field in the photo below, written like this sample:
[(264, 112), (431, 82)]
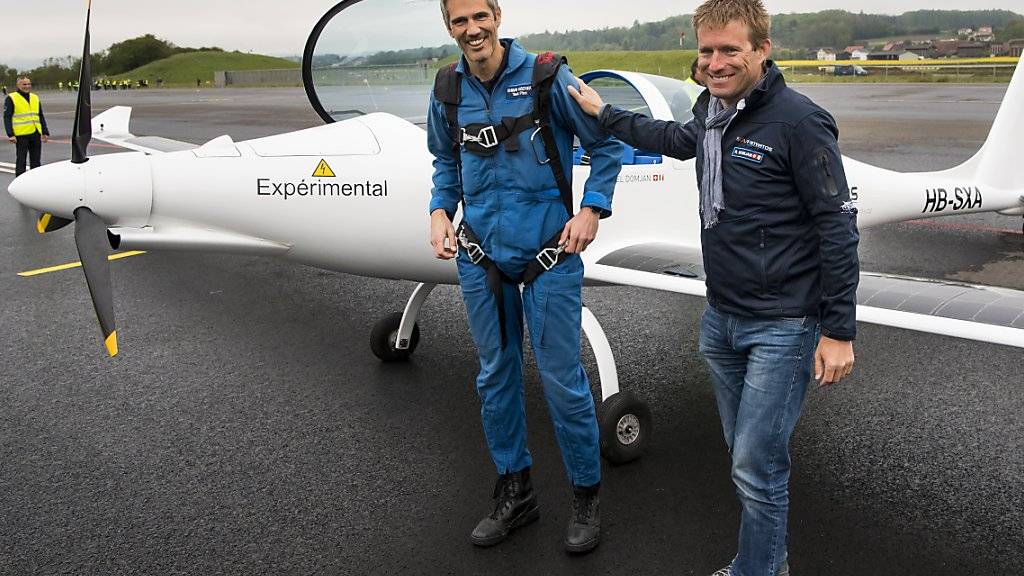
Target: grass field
[(676, 64), (184, 69), (671, 63)]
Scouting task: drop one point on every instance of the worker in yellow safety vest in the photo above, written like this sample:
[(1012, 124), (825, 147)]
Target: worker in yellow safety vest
[(25, 124)]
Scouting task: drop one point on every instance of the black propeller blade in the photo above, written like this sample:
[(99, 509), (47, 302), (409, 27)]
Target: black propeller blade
[(93, 249), (90, 229), (81, 133)]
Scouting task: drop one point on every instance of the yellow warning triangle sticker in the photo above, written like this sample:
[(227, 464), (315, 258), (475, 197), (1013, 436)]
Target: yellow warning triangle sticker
[(323, 170)]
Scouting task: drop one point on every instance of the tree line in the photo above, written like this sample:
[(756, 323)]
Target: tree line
[(121, 57), (830, 28)]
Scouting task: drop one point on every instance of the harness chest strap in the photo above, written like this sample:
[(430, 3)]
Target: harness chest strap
[(483, 139)]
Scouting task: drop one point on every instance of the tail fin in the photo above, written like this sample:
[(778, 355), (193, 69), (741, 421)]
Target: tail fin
[(113, 123), (998, 163)]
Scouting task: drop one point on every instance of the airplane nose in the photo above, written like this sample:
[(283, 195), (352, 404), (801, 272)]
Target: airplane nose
[(55, 188), (117, 187)]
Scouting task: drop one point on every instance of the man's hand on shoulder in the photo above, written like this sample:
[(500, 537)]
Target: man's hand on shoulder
[(580, 230), (442, 235), (833, 361), (588, 99)]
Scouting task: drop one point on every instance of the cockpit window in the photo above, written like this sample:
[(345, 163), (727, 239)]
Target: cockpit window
[(378, 56), (641, 92), (680, 96), (616, 91)]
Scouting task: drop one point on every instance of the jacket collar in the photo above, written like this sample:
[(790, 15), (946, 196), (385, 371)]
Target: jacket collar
[(771, 84), (516, 55)]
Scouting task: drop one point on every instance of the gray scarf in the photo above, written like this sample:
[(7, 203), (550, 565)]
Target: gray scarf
[(712, 199)]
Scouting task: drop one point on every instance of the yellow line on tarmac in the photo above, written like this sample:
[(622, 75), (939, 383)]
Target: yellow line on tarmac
[(117, 256)]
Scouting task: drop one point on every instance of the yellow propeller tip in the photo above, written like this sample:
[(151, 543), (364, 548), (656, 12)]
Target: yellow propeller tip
[(43, 222), (111, 344)]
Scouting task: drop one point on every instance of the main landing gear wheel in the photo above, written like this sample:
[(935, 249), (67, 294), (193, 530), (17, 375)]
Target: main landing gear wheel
[(625, 427), (384, 334)]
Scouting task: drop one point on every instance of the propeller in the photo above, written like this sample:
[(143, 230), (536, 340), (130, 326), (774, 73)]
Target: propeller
[(82, 130), (90, 230), (91, 239)]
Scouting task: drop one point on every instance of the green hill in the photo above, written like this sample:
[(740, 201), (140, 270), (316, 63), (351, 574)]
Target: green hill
[(183, 69)]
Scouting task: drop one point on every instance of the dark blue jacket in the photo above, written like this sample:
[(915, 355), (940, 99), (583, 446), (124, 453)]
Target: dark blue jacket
[(786, 242), (512, 202)]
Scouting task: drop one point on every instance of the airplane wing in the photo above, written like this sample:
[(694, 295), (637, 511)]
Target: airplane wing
[(112, 127), (983, 313)]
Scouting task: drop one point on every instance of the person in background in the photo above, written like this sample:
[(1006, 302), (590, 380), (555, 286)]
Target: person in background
[(25, 125)]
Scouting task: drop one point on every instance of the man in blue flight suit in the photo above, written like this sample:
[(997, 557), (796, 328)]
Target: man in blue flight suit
[(513, 214)]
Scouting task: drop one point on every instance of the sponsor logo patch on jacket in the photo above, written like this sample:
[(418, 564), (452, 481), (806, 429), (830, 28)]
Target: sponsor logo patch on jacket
[(518, 91), (756, 145), (748, 155)]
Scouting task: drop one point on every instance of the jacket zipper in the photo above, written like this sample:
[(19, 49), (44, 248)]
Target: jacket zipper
[(830, 182), (764, 261)]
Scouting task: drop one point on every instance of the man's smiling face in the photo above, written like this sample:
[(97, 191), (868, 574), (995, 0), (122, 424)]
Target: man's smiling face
[(475, 29), (729, 64)]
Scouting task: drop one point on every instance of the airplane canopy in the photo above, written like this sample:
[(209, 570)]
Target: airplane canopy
[(369, 56)]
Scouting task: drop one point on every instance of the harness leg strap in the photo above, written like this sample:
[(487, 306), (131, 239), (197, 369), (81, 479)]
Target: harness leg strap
[(412, 312), (606, 370), (494, 284)]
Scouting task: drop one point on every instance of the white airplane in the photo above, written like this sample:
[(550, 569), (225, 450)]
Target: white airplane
[(372, 172)]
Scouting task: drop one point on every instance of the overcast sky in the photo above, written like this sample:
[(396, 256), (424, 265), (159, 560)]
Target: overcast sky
[(54, 27)]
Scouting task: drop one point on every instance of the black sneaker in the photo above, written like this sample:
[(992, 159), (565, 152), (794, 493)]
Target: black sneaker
[(515, 505), (584, 530)]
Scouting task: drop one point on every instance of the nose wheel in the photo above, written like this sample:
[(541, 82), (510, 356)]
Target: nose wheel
[(625, 427), (384, 341), (394, 337)]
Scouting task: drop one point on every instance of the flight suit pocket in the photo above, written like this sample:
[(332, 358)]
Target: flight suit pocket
[(535, 217), (559, 314), (481, 309)]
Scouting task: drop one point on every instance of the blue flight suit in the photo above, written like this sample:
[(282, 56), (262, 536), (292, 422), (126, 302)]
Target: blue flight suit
[(512, 203)]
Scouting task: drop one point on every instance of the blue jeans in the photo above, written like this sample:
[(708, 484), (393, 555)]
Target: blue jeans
[(552, 305), (760, 369)]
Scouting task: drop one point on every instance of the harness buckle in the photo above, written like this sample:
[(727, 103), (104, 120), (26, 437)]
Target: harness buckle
[(486, 137), (548, 257), (473, 250)]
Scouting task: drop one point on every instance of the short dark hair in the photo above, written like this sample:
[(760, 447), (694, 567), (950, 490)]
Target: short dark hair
[(492, 4), (23, 77)]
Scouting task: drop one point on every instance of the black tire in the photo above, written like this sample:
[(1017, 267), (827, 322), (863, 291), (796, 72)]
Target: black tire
[(383, 335), (625, 427)]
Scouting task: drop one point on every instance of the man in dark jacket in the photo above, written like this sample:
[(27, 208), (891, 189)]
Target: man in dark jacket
[(779, 241), (25, 125)]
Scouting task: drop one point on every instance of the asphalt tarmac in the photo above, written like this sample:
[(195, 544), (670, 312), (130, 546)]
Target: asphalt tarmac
[(245, 427)]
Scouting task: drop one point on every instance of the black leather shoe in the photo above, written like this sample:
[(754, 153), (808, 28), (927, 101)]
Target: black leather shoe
[(584, 530), (515, 505)]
